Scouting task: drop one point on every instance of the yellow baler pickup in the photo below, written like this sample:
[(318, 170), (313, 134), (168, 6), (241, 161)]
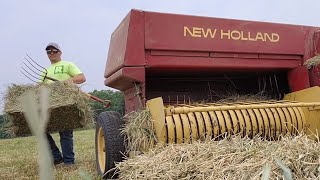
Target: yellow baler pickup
[(298, 112)]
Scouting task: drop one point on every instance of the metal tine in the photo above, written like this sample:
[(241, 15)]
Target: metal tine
[(25, 74), (35, 68), (31, 69), (34, 62)]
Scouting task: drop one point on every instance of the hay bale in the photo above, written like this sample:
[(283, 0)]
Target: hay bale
[(235, 158), (314, 61), (68, 107), (139, 132)]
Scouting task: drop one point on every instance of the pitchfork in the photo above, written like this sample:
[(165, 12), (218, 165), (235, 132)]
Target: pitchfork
[(32, 70)]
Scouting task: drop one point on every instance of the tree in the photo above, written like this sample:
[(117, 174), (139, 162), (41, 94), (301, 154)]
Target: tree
[(116, 98)]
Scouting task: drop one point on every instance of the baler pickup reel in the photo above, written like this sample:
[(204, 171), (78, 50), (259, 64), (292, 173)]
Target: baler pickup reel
[(299, 112), (33, 71)]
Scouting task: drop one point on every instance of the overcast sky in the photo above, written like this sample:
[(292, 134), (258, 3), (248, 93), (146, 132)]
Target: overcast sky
[(83, 28)]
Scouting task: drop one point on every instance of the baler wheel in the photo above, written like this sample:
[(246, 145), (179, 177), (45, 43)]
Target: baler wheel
[(109, 143)]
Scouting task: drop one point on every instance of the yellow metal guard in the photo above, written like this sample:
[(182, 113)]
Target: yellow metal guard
[(298, 112)]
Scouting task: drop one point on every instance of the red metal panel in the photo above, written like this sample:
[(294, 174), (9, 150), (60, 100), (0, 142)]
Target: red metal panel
[(298, 79), (314, 74), (311, 42), (279, 56), (198, 63), (316, 42), (132, 101), (179, 53), (234, 55), (124, 77), (313, 49), (117, 48), (192, 33), (135, 50), (127, 44)]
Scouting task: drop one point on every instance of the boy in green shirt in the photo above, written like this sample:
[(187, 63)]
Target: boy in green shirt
[(62, 70), (69, 72)]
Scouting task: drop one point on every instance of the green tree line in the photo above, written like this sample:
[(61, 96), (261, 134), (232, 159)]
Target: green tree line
[(115, 97)]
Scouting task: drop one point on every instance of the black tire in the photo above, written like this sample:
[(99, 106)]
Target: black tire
[(109, 143)]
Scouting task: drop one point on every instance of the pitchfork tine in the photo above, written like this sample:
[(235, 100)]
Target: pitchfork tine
[(37, 64), (32, 65), (28, 77), (29, 73), (32, 69)]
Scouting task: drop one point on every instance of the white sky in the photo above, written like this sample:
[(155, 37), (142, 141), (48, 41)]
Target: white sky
[(83, 28)]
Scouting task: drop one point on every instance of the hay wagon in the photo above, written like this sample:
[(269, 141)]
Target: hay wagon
[(167, 62)]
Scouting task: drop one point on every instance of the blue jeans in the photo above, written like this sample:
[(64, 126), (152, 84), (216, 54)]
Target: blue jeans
[(66, 141)]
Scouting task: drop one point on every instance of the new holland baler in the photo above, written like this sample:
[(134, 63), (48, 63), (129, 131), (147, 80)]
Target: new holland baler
[(177, 66)]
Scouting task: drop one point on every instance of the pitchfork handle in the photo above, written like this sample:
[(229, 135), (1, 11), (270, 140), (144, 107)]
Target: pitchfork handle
[(91, 96), (50, 78), (99, 100)]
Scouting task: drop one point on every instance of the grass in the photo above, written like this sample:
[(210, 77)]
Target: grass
[(18, 158)]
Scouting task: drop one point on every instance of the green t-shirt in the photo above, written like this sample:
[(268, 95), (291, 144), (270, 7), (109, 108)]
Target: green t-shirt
[(61, 71)]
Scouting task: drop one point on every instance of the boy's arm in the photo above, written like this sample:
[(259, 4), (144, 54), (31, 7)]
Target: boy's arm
[(77, 76), (78, 79)]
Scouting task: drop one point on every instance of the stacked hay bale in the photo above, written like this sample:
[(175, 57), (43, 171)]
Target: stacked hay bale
[(235, 158), (231, 158), (68, 108)]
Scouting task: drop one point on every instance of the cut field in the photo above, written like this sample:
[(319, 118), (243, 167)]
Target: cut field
[(18, 158)]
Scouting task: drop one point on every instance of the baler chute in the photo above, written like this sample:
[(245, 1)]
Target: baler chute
[(179, 66)]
